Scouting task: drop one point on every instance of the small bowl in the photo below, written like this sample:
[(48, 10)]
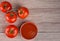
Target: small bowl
[(28, 30)]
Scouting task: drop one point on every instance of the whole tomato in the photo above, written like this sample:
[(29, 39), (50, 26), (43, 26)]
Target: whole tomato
[(11, 31), (11, 17), (5, 6), (23, 12)]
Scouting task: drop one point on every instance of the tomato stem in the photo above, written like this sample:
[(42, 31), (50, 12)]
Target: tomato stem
[(11, 14), (21, 11), (11, 31), (5, 6)]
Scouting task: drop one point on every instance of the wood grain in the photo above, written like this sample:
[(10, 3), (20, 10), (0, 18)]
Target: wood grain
[(44, 13), (39, 37), (47, 20), (36, 4)]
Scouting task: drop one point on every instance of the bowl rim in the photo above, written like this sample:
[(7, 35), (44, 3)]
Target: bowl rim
[(23, 25)]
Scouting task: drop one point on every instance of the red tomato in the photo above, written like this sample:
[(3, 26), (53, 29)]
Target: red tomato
[(23, 12), (11, 31), (11, 17), (5, 6), (28, 30)]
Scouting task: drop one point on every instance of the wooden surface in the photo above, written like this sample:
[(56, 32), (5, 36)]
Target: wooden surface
[(44, 13)]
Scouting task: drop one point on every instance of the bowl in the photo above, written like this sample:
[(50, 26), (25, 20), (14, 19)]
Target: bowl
[(28, 30)]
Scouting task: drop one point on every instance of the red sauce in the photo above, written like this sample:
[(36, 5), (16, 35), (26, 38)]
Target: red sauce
[(28, 30)]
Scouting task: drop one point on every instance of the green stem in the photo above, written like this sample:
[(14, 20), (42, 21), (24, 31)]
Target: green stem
[(11, 31), (21, 11), (5, 6), (11, 14)]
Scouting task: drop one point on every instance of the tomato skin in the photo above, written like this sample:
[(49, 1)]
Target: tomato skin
[(11, 34), (5, 6), (11, 17), (23, 12)]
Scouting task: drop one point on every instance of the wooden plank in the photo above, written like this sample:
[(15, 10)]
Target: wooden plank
[(35, 4), (42, 27), (48, 37), (48, 27), (39, 37), (47, 20), (44, 15)]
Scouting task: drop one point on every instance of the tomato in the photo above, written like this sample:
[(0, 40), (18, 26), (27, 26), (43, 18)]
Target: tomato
[(28, 30), (11, 17), (23, 12), (5, 6), (11, 31)]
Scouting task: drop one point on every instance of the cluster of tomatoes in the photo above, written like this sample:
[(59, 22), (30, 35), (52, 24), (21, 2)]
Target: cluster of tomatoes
[(11, 16)]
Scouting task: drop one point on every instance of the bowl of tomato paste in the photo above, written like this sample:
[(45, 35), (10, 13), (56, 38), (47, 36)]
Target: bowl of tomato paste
[(28, 30)]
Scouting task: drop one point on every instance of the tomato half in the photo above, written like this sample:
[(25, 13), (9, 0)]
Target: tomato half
[(11, 17), (5, 6), (28, 30), (11, 31), (23, 12)]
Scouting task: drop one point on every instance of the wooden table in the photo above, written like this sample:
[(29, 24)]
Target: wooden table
[(44, 13)]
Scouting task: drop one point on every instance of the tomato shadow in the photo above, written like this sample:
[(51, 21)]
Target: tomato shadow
[(20, 22), (16, 6), (23, 22)]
